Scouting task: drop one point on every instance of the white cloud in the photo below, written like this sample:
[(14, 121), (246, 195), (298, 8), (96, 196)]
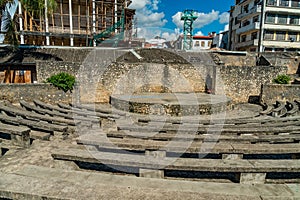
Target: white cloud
[(199, 33), (224, 18), (139, 4), (150, 33), (202, 20), (146, 15), (226, 28), (169, 36)]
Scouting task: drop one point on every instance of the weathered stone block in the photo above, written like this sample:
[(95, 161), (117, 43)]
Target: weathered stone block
[(252, 178), (150, 173)]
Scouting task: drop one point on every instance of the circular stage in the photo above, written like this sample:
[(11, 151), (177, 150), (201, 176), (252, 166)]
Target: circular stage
[(172, 104)]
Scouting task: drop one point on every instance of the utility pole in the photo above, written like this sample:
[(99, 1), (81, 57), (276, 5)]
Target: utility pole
[(94, 20), (261, 27), (47, 24), (71, 24), (21, 23)]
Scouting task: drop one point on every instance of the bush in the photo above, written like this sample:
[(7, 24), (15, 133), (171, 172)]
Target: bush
[(63, 81), (282, 79)]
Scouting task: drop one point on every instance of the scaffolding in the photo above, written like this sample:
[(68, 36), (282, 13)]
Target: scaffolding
[(188, 16), (76, 22)]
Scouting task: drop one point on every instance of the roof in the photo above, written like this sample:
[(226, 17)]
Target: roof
[(202, 37)]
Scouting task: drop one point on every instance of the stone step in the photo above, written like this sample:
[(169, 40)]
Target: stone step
[(188, 146), (33, 182)]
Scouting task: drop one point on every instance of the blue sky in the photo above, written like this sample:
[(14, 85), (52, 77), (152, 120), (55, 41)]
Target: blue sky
[(162, 17)]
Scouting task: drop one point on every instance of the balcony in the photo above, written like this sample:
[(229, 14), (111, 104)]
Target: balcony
[(247, 43), (283, 10), (253, 26), (281, 27), (253, 10)]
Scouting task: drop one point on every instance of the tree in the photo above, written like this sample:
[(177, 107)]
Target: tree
[(9, 19), (8, 25)]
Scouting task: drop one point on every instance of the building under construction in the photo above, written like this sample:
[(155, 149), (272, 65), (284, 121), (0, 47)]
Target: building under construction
[(78, 23)]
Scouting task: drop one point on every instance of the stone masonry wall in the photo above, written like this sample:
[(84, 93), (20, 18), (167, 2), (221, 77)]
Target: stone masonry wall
[(29, 92), (241, 83), (282, 92), (107, 72), (45, 69)]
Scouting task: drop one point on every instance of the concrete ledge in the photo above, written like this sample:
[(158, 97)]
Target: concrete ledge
[(33, 182)]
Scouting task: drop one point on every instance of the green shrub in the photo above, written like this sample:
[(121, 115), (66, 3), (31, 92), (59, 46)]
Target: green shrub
[(63, 81), (282, 79)]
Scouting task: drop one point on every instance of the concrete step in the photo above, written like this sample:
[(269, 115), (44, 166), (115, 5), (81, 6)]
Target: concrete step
[(33, 182)]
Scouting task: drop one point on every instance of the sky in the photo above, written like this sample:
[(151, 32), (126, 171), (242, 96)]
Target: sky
[(162, 17)]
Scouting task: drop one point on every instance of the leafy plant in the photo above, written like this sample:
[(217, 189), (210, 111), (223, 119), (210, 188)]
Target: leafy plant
[(63, 81), (282, 79)]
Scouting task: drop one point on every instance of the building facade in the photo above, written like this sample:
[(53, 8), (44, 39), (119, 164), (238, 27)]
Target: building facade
[(75, 23), (199, 42), (265, 25)]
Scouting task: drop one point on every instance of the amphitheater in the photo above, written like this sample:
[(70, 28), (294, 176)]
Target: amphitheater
[(151, 124)]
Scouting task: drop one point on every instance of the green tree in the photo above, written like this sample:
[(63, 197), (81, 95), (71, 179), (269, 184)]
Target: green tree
[(35, 7)]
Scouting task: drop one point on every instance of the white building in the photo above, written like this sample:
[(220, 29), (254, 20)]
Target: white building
[(200, 42), (277, 30)]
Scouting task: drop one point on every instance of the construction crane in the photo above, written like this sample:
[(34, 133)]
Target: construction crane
[(188, 16)]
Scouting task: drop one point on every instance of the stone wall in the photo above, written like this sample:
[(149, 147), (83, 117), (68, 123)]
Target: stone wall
[(289, 59), (45, 69), (242, 83), (102, 75), (281, 92), (29, 92)]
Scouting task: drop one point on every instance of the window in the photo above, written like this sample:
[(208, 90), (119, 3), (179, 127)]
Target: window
[(253, 35), (246, 23), (282, 19), (269, 35), (283, 2), (294, 19), (243, 38), (209, 44), (280, 35), (197, 44), (292, 36), (270, 18), (272, 2), (295, 3), (255, 19), (246, 9), (256, 2), (236, 21), (202, 44)]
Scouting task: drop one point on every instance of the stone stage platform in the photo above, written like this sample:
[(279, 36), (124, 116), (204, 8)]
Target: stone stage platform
[(172, 104)]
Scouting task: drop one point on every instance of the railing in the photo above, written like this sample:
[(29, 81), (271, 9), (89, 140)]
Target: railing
[(247, 43), (254, 9), (253, 26)]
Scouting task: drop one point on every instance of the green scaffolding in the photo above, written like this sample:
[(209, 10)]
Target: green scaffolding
[(99, 38), (188, 16)]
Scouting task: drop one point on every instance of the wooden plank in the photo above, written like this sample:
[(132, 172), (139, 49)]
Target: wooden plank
[(186, 164)]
